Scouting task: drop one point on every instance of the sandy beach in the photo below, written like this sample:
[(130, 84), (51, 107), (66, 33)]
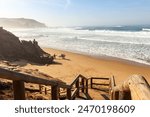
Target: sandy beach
[(89, 66), (75, 64)]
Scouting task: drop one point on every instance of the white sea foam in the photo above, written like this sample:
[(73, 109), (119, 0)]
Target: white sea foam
[(131, 45), (146, 29)]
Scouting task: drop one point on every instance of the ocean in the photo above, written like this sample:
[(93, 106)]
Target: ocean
[(125, 42)]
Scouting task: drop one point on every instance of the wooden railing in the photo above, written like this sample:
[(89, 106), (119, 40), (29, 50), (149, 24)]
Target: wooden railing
[(78, 86), (19, 79), (135, 88), (100, 82)]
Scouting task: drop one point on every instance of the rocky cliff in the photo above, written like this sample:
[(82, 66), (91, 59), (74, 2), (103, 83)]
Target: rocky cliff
[(11, 48)]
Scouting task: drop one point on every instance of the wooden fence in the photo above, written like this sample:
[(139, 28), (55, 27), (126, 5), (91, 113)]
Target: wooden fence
[(73, 90), (19, 79), (78, 86)]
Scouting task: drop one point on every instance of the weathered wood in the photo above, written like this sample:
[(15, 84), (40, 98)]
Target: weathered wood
[(137, 86), (12, 75), (45, 91), (100, 78), (54, 92), (83, 85), (69, 94), (100, 84), (74, 94), (91, 83), (111, 86), (40, 88), (86, 90), (77, 86), (111, 94), (19, 90)]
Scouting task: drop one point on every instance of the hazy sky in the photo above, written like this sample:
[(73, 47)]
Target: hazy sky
[(79, 12)]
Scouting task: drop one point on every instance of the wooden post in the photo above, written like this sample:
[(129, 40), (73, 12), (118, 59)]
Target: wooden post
[(69, 93), (111, 95), (45, 91), (77, 86), (54, 92), (116, 95), (19, 90), (86, 86), (110, 87), (91, 83), (83, 87), (40, 88)]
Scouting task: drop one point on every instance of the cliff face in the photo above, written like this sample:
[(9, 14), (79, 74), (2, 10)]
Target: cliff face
[(11, 48), (20, 23)]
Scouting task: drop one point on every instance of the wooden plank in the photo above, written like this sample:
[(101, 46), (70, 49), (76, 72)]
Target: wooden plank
[(19, 90), (74, 94), (137, 86), (100, 78)]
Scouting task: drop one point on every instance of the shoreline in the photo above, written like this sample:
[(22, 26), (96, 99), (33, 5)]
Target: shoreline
[(103, 57), (96, 66)]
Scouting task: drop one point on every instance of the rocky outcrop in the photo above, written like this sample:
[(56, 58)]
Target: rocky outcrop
[(11, 48)]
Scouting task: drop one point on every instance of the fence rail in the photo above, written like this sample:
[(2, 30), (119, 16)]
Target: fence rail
[(19, 79), (100, 83)]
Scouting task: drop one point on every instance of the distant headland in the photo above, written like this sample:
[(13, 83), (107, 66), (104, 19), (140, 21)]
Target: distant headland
[(20, 23)]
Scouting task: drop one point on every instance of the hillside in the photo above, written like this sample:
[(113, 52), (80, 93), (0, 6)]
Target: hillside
[(20, 23), (11, 48)]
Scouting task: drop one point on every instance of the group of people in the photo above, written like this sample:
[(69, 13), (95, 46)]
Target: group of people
[(61, 56)]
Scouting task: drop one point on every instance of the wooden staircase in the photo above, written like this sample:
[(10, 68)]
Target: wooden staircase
[(83, 88)]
